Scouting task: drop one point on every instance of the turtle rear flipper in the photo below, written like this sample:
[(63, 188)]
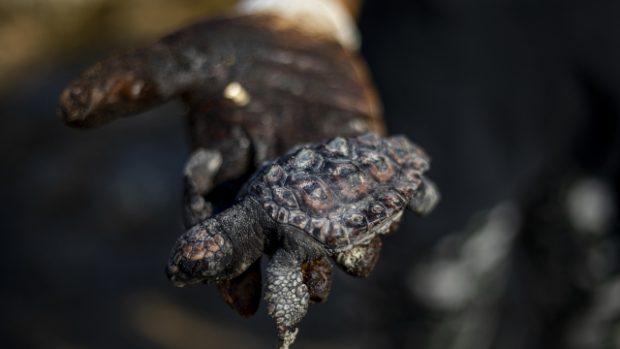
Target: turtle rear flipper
[(425, 200), (361, 259)]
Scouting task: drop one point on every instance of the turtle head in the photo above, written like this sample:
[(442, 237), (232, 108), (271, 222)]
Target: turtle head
[(201, 254)]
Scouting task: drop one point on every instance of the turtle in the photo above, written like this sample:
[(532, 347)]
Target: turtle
[(331, 199), (255, 85)]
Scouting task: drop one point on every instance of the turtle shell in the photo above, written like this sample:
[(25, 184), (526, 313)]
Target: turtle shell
[(344, 191)]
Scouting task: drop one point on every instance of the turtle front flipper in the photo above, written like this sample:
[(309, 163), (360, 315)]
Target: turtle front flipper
[(243, 293), (361, 259), (286, 295), (199, 176), (425, 199)]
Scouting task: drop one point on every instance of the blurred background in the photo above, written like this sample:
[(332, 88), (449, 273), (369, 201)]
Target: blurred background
[(517, 101)]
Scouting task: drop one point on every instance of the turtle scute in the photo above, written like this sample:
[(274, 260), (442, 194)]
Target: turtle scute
[(285, 198), (380, 166), (375, 212), (314, 193), (305, 159), (338, 147), (274, 174), (349, 181), (342, 191)]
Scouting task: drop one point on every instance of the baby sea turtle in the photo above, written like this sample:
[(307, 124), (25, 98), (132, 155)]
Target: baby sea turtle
[(255, 86), (328, 199)]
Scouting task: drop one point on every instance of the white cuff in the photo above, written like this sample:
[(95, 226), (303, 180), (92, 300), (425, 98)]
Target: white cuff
[(323, 17)]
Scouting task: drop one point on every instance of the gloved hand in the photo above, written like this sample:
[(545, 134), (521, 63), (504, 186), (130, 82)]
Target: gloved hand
[(272, 75)]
